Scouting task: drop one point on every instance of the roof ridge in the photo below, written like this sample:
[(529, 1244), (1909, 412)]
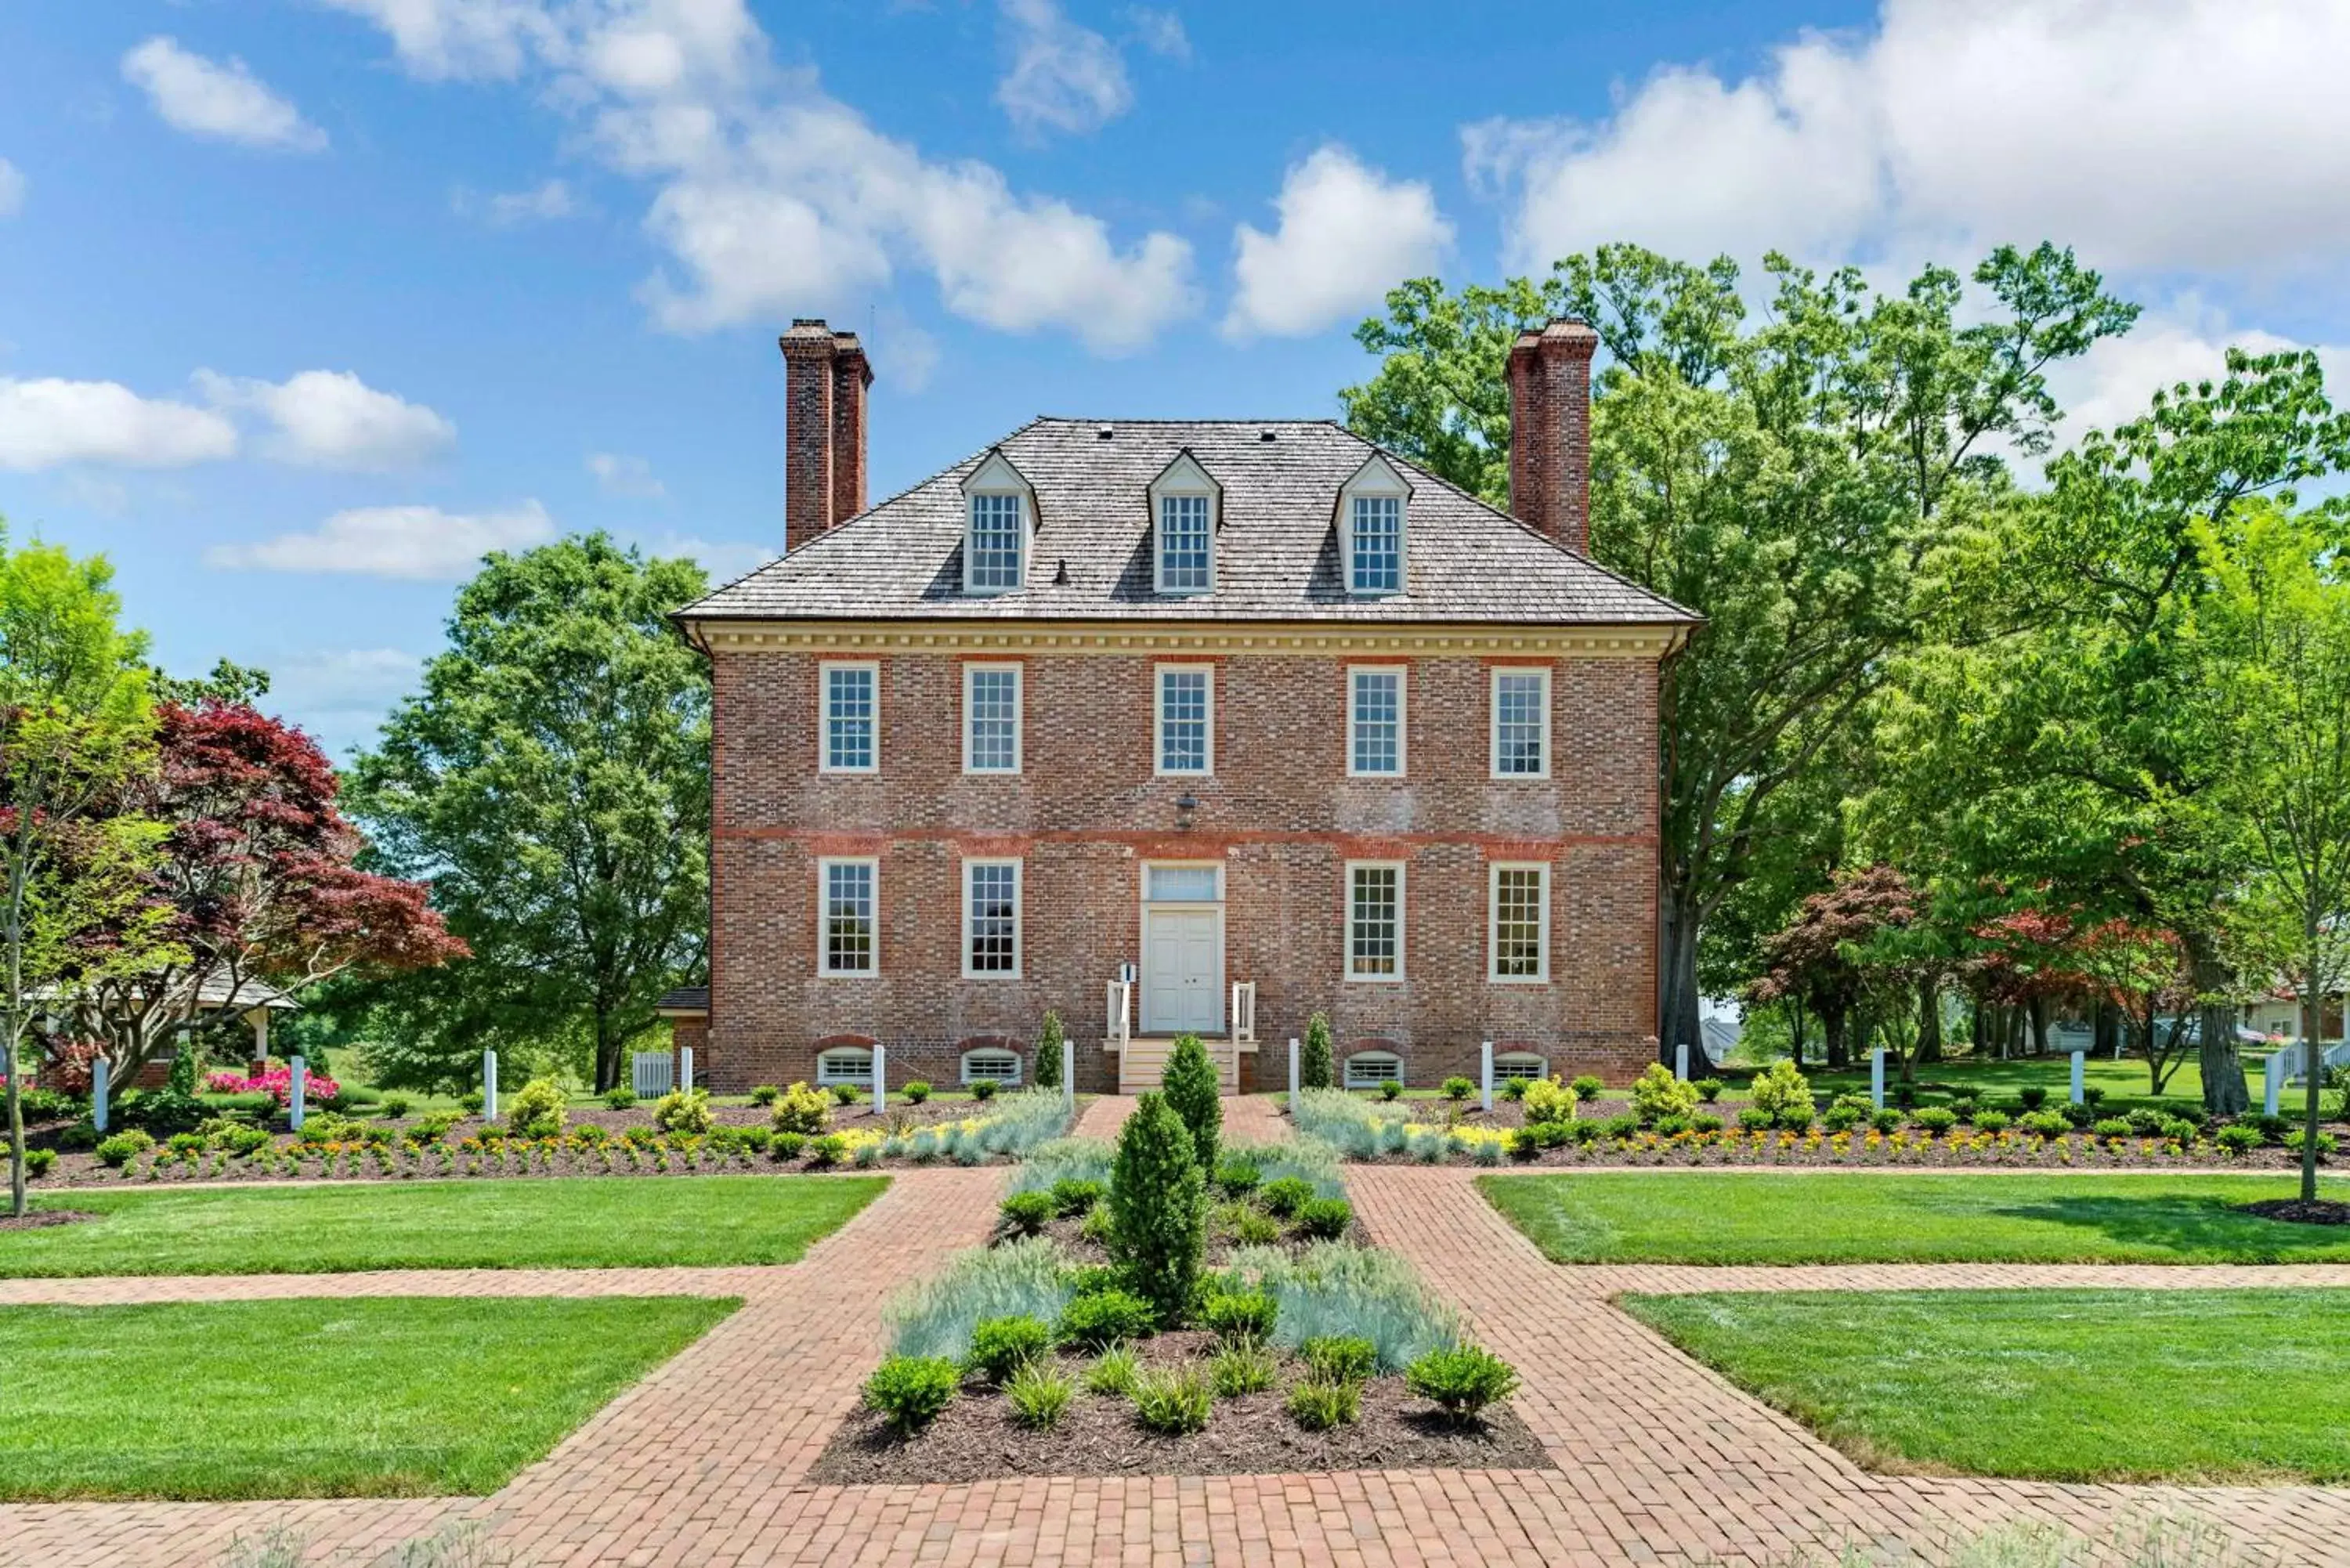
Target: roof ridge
[(1168, 420)]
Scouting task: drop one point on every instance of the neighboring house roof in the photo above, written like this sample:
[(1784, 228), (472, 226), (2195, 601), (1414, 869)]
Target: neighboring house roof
[(1276, 549), (688, 999), (249, 994)]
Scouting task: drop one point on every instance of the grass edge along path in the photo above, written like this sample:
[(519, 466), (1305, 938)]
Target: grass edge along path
[(534, 1222), (1732, 1218), (2189, 1386), (370, 1397)]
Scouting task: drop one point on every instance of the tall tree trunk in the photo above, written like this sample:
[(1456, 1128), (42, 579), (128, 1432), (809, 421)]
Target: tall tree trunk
[(1833, 1020), (2104, 1028), (2039, 1026), (607, 1051), (1677, 999), (2225, 1091), (1930, 1021)]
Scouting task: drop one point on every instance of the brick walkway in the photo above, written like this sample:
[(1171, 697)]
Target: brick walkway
[(1248, 1119), (1657, 1460)]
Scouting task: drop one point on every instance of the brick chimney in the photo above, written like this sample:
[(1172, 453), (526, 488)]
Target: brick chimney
[(825, 378), (1550, 432)]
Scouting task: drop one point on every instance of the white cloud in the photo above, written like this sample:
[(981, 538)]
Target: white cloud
[(2151, 134), (1161, 32), (618, 474), (543, 203), (2182, 339), (773, 198), (48, 422), (1347, 234), (11, 189), (204, 97), (1063, 76), (414, 543), (331, 418)]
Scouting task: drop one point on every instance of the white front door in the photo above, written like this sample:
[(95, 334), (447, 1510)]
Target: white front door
[(1183, 971)]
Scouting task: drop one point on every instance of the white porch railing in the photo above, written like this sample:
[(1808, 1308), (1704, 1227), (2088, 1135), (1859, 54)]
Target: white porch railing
[(1243, 1012), (1119, 1027), (654, 1073), (2290, 1063)]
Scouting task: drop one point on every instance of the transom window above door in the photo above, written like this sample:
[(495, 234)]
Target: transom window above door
[(1183, 883)]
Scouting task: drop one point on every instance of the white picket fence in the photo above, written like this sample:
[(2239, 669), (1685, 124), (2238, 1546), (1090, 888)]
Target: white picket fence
[(654, 1073)]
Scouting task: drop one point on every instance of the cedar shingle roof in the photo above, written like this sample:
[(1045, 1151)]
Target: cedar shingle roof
[(1277, 548)]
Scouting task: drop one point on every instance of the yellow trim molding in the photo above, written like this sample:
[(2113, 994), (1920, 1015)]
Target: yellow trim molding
[(1227, 639)]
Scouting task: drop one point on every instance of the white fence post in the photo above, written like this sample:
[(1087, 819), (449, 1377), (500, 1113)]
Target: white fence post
[(1292, 1071), (2080, 1059), (1485, 1056), (1877, 1078), (881, 1077), (1681, 1060), (99, 1082), (298, 1092), (489, 1085), (1069, 1073), (685, 1068), (2271, 1080)]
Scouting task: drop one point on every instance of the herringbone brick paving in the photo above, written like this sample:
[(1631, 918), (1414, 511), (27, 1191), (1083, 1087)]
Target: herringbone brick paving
[(1657, 1460)]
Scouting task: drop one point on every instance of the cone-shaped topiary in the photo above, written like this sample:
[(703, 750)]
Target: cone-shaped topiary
[(1313, 1063), (1048, 1053), (1159, 1208), (1195, 1094)]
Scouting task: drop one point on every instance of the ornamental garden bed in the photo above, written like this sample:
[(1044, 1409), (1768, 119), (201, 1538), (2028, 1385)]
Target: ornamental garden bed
[(1176, 1307), (677, 1136), (1667, 1122)]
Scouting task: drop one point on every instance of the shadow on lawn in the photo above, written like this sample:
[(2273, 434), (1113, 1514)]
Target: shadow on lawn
[(2187, 1228)]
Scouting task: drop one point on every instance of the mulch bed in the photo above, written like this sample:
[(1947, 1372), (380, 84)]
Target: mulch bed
[(2317, 1211), (977, 1440), (42, 1218)]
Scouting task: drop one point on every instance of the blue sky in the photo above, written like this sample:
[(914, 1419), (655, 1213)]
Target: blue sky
[(303, 303)]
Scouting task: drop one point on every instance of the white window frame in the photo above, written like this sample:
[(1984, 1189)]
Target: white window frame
[(1493, 974), (970, 915), (1403, 703), (1370, 977), (1493, 720), (825, 671), (826, 1075), (1008, 1080), (1383, 1058), (1540, 1066), (1183, 477), (1019, 717), (824, 866), (1376, 478), (996, 477), (1159, 768)]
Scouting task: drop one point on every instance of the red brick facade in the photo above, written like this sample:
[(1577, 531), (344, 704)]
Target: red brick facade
[(1086, 813)]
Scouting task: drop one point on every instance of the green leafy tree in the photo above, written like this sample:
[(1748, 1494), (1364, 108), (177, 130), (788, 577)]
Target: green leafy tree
[(552, 779), (75, 734), (1158, 1208), (1794, 482), (1048, 1052), (1195, 1093), (2278, 618), (1314, 1064)]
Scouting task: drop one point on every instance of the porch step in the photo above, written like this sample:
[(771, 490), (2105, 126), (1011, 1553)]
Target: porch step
[(1143, 1064)]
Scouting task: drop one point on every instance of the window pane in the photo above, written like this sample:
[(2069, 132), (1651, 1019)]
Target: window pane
[(1370, 1068), (1518, 922), (845, 1067), (1374, 930), (995, 920), (1002, 1066), (1183, 720), (1183, 883), (848, 718), (1183, 542), (1518, 723), (993, 712), (995, 541), (1378, 721), (848, 918), (1379, 544)]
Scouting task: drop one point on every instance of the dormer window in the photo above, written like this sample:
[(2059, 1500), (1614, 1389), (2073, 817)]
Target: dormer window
[(1184, 502), (999, 519), (1372, 510)]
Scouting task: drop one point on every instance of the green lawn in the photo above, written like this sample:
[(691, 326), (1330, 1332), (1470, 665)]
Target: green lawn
[(391, 1397), (542, 1223), (2067, 1386), (2125, 1081), (1742, 1217)]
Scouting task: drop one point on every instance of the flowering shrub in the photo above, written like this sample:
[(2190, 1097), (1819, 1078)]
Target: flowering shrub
[(277, 1084)]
